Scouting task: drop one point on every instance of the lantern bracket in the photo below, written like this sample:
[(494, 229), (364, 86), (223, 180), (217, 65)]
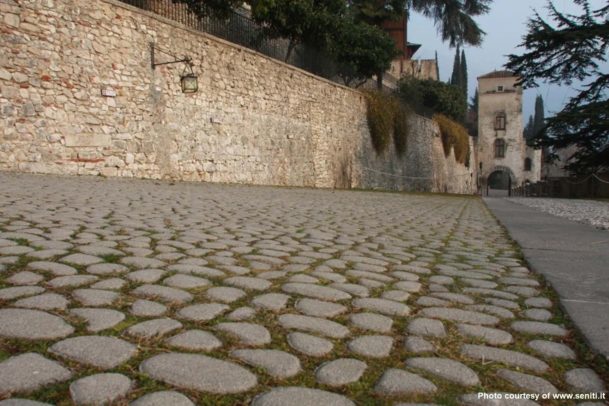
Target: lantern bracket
[(185, 59)]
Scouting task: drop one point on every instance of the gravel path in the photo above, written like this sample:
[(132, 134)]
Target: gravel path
[(591, 212), (149, 293)]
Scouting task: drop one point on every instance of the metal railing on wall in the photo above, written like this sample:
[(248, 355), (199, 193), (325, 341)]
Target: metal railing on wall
[(240, 29)]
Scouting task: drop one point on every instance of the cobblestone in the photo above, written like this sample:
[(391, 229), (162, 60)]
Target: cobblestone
[(100, 389), (310, 345), (28, 372), (313, 324), (529, 383), (163, 398), (508, 357), (99, 319), (154, 328), (318, 308), (278, 364), (374, 346), (32, 325), (426, 327), (340, 372), (246, 333), (195, 340), (369, 295), (98, 351), (398, 382), (551, 349), (448, 369), (199, 373), (301, 397), (584, 380)]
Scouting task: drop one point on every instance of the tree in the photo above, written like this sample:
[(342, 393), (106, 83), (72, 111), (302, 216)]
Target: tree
[(428, 97), (571, 48), (360, 50), (473, 102), (463, 71), (374, 12), (216, 8), (330, 25), (453, 18), (455, 78), (539, 119), (300, 21), (459, 75), (529, 132)]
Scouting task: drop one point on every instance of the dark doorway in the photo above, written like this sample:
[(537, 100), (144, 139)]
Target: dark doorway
[(499, 180)]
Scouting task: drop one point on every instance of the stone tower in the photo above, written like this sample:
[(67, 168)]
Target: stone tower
[(504, 159)]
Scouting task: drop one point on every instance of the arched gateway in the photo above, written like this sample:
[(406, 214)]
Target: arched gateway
[(500, 180)]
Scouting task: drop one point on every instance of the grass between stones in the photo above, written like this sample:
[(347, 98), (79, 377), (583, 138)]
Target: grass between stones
[(362, 391)]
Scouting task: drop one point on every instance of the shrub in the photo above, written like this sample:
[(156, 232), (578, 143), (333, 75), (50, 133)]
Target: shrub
[(387, 116), (429, 97), (454, 136), (380, 112), (400, 127)]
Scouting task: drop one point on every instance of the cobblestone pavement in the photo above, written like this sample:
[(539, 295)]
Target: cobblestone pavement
[(593, 212), (159, 294)]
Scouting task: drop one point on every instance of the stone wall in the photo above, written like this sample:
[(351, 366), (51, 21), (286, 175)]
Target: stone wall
[(78, 96)]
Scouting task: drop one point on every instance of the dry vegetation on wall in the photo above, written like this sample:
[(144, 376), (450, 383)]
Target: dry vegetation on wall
[(387, 117), (400, 127), (455, 136)]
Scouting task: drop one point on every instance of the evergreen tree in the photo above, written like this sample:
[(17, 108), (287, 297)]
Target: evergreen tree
[(437, 67), (529, 131), (473, 102), (455, 78), (463, 68), (572, 48), (539, 120)]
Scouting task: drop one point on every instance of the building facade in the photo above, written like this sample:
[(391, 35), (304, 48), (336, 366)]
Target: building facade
[(404, 64), (504, 159)]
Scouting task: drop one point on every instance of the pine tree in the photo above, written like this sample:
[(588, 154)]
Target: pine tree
[(528, 129), (571, 48), (473, 114), (539, 120), (473, 102), (463, 69)]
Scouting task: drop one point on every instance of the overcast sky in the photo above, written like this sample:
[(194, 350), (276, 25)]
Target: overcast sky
[(504, 26)]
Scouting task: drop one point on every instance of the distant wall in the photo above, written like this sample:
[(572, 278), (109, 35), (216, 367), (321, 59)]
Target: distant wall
[(501, 96), (423, 69), (254, 119)]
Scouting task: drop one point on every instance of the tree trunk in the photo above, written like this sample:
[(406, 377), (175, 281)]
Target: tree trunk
[(291, 46)]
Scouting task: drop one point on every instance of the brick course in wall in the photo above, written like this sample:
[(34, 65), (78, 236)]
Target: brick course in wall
[(254, 119)]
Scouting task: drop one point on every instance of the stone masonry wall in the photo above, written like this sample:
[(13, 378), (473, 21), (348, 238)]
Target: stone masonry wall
[(254, 119)]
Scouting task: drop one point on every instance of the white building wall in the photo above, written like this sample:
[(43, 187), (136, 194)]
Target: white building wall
[(501, 95)]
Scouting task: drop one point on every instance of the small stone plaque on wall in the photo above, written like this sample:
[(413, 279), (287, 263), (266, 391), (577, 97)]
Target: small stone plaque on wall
[(108, 92)]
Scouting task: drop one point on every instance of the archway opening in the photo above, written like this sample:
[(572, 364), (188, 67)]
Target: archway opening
[(499, 180)]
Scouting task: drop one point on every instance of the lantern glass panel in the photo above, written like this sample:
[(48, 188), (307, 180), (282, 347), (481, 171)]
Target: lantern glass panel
[(189, 84)]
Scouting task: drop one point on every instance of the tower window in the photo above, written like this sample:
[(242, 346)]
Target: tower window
[(499, 148), (527, 164), (500, 88), (500, 121)]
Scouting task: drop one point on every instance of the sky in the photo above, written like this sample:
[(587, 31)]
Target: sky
[(505, 26)]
